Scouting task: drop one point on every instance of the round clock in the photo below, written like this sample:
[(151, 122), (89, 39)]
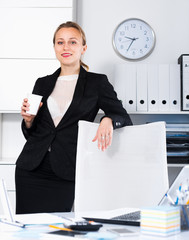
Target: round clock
[(133, 39)]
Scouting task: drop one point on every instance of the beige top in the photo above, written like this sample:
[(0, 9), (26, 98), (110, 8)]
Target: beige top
[(61, 97)]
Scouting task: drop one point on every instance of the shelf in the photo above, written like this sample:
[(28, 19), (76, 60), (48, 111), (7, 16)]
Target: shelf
[(177, 164), (7, 161), (160, 113), (131, 113), (9, 111), (154, 113), (11, 161)]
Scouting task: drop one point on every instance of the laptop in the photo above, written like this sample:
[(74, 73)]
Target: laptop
[(123, 216), (7, 208), (131, 216), (28, 219)]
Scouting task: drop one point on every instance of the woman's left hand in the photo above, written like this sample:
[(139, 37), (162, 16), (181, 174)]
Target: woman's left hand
[(104, 133)]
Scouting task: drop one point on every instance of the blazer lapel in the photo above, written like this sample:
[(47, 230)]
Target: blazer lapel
[(78, 94), (50, 84)]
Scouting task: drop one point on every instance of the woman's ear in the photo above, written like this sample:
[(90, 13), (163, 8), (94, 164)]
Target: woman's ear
[(84, 49)]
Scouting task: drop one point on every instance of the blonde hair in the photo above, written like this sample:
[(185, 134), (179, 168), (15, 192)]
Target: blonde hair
[(70, 24)]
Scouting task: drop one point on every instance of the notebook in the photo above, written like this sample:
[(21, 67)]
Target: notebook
[(131, 216)]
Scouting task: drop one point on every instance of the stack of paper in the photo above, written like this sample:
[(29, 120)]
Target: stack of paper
[(160, 220)]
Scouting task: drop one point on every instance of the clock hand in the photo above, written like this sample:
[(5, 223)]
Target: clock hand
[(130, 38), (130, 45)]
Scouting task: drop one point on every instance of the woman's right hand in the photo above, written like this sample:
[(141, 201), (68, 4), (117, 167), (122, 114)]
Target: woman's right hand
[(28, 118)]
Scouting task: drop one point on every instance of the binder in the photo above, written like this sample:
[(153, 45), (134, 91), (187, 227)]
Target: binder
[(184, 74), (142, 87), (130, 87), (163, 87), (120, 82), (174, 82), (153, 99)]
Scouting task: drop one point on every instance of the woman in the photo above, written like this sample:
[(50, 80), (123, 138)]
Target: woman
[(45, 170)]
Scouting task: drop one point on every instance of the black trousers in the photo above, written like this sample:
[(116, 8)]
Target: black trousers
[(41, 190)]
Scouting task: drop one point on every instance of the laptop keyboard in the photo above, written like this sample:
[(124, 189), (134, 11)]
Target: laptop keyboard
[(133, 216)]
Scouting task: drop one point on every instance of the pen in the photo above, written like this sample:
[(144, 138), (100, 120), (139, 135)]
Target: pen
[(169, 198), (60, 228)]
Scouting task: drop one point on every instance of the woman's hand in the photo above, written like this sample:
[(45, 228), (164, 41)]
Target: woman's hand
[(28, 118), (104, 133)]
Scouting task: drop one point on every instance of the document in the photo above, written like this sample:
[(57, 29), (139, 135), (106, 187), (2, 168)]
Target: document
[(39, 218)]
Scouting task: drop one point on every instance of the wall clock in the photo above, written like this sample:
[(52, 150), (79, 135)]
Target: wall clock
[(133, 39)]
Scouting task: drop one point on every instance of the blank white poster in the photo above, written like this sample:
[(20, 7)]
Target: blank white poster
[(130, 173)]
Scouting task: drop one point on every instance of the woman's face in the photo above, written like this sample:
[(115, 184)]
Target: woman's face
[(68, 46)]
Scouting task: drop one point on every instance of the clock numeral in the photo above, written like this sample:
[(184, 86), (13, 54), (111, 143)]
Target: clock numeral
[(146, 46), (122, 33), (147, 39), (145, 32), (126, 28), (133, 53), (133, 25), (141, 51)]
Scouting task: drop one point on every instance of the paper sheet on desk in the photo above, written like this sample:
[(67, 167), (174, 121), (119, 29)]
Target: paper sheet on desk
[(38, 218)]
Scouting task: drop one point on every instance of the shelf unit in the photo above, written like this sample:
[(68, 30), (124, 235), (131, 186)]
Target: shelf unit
[(32, 49)]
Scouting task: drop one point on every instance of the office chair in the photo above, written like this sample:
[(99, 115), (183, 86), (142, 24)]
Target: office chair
[(132, 172)]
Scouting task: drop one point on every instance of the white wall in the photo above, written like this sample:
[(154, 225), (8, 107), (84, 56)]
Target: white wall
[(168, 18), (99, 18)]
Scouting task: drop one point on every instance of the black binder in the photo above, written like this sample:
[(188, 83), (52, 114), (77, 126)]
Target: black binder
[(184, 75)]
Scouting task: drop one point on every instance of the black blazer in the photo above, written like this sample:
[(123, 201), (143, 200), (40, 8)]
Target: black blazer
[(92, 92)]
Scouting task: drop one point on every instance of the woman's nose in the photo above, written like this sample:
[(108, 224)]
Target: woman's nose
[(66, 46)]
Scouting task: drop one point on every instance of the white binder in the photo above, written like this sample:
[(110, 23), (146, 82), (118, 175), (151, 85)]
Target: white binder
[(163, 87), (120, 82), (153, 98), (174, 82), (142, 87), (130, 80)]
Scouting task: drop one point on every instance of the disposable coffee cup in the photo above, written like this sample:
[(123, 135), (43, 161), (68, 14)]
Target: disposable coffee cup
[(34, 101)]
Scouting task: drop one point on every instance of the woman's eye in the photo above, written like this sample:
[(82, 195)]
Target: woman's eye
[(73, 42), (60, 43)]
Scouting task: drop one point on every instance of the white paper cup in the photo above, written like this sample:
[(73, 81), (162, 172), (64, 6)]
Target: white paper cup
[(34, 101)]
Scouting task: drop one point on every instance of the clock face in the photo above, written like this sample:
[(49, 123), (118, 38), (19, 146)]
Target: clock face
[(133, 39)]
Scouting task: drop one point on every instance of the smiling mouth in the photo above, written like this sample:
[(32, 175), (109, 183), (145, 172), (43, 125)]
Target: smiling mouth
[(66, 54)]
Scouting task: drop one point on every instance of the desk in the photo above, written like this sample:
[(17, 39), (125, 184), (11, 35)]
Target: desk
[(39, 232)]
